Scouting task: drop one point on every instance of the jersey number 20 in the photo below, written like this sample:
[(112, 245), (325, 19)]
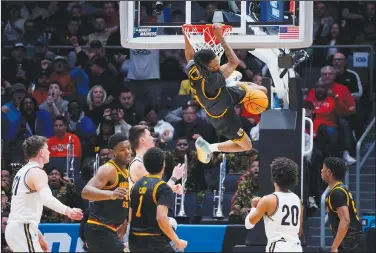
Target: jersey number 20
[(292, 213)]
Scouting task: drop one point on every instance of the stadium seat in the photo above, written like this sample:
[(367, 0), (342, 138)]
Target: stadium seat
[(231, 182), (208, 204), (212, 177), (190, 206)]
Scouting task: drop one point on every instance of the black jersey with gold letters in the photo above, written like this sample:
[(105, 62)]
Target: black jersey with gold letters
[(337, 197), (148, 192), (111, 212), (212, 93)]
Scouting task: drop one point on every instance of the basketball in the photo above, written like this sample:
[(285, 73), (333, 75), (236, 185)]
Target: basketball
[(256, 102)]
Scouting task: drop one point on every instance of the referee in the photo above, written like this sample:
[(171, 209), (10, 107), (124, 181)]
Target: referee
[(343, 218)]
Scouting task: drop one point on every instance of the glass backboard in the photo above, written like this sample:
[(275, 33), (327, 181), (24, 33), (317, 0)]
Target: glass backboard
[(256, 24)]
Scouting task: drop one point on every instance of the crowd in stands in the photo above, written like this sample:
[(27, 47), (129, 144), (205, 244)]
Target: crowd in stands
[(59, 80)]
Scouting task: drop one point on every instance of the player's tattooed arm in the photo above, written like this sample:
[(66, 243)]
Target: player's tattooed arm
[(232, 59)]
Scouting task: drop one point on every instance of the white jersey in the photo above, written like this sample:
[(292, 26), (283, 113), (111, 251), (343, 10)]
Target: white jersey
[(130, 180), (26, 205), (284, 224)]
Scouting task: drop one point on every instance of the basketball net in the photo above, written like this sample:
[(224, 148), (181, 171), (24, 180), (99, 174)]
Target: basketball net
[(202, 37)]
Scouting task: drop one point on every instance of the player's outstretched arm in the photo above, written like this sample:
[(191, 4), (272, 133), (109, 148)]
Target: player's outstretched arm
[(37, 180), (188, 49), (177, 174), (93, 190), (232, 59), (257, 212), (164, 224)]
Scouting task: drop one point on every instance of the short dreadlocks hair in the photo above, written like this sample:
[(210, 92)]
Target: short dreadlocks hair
[(337, 166)]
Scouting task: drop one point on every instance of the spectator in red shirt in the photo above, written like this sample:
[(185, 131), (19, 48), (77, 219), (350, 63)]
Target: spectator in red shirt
[(345, 105), (58, 147), (325, 123)]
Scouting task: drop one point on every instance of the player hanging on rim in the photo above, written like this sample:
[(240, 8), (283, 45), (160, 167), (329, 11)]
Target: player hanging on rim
[(109, 191), (208, 85), (30, 191), (282, 210)]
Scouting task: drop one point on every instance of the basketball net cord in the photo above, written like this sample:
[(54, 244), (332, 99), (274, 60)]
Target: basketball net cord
[(202, 37)]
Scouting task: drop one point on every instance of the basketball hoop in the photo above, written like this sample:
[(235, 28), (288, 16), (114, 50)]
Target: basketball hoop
[(202, 37)]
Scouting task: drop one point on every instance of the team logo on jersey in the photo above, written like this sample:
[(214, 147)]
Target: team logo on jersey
[(240, 132)]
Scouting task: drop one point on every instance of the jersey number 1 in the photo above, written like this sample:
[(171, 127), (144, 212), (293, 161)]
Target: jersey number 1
[(293, 212), (138, 213), (16, 182)]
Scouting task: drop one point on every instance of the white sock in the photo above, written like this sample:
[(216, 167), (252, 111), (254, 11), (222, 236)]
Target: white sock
[(214, 147)]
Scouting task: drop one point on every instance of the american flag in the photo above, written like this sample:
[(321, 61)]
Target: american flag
[(289, 32)]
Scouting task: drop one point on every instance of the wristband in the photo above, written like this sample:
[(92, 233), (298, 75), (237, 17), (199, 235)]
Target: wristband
[(173, 179)]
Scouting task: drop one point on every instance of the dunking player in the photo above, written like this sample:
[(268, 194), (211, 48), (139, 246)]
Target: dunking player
[(282, 210), (151, 197), (108, 189), (343, 218), (30, 191), (208, 85), (141, 141)]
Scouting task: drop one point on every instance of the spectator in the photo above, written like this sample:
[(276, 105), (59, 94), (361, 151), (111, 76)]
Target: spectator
[(337, 36), (111, 14), (14, 25), (55, 104), (10, 111), (62, 189), (321, 18), (76, 12), (325, 121), (105, 155), (101, 33), (106, 129), (117, 116), (247, 189), (190, 125), (176, 115), (32, 121), (5, 203), (40, 92), (61, 74), (195, 171), (368, 35), (95, 100), (352, 14), (78, 123), (58, 143), (31, 33), (98, 71), (6, 181), (52, 21), (133, 109), (158, 126), (345, 105), (17, 68), (352, 81), (73, 28)]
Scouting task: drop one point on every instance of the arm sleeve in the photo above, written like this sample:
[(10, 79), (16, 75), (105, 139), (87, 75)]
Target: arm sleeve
[(165, 196), (338, 198)]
